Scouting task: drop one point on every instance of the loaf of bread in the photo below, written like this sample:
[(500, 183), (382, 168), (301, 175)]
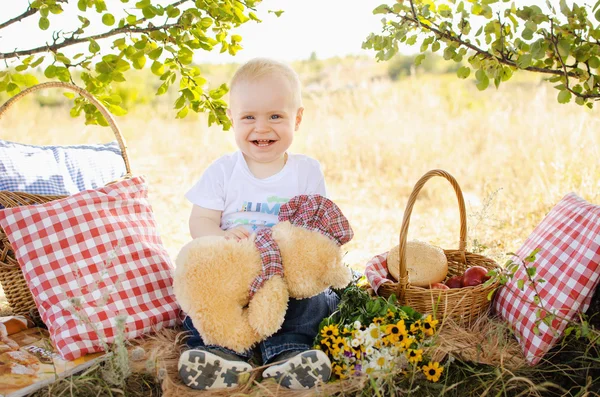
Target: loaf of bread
[(426, 264)]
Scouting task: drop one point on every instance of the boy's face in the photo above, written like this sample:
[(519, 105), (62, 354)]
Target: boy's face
[(264, 115)]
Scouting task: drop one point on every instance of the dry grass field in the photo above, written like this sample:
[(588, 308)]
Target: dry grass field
[(514, 151)]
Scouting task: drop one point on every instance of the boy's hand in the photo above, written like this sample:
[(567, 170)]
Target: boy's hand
[(237, 233)]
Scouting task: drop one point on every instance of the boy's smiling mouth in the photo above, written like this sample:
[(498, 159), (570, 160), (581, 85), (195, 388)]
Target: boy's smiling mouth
[(263, 142)]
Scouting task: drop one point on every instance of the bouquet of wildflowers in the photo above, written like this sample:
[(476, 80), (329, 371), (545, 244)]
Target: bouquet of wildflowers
[(367, 335)]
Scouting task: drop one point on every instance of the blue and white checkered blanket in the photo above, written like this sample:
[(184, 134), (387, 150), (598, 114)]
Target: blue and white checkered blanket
[(58, 170)]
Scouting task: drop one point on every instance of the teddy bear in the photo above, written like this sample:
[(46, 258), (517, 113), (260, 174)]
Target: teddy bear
[(236, 292)]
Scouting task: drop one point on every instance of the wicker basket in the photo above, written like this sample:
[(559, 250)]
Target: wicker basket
[(462, 304), (13, 283)]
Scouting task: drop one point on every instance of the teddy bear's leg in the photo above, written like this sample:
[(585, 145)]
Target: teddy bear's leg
[(227, 326), (267, 307)]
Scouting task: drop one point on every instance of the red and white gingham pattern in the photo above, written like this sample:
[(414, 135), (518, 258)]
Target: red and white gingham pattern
[(270, 256), (569, 261), (376, 271), (63, 248), (313, 212), (318, 213)]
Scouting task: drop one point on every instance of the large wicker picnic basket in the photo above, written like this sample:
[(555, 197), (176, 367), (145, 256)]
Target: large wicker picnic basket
[(461, 304), (13, 283)]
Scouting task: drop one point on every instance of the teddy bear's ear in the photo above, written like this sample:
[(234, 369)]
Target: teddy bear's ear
[(266, 310)]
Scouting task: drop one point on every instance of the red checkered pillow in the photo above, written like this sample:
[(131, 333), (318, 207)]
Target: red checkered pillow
[(569, 260), (94, 255)]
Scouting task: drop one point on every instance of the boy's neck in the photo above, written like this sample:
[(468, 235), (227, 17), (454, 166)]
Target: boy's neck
[(265, 170)]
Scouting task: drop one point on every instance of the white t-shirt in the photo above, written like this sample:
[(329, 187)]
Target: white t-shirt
[(228, 185)]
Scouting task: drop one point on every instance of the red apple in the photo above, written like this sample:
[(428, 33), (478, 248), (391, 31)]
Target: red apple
[(439, 286), (454, 282), (475, 275)]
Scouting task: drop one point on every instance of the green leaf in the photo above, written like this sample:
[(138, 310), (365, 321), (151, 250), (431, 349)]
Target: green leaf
[(521, 284), (435, 46), (172, 12), (139, 62), (12, 89), (157, 68), (182, 113), (180, 102), (37, 62), (483, 80), (419, 59), (155, 53), (117, 110), (463, 72), (531, 271), (527, 34), (564, 48), (50, 71), (108, 19), (594, 62), (69, 95), (597, 15), (44, 23), (94, 47), (524, 61), (564, 96), (185, 56)]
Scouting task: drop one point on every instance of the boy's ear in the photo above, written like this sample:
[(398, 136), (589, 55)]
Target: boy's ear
[(299, 114), (228, 111)]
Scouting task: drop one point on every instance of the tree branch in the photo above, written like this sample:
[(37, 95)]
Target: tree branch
[(18, 18), (71, 41), (473, 47)]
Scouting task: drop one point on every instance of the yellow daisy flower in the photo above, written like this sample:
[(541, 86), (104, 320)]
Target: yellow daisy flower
[(378, 320), (340, 370), (414, 356), (390, 314), (429, 325), (408, 341), (433, 371), (402, 340), (339, 344), (330, 331), (415, 327)]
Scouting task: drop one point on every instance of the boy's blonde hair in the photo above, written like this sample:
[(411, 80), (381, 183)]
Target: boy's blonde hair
[(259, 67)]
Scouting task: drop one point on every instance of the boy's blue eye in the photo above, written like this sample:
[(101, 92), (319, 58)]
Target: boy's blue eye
[(275, 116), (249, 117)]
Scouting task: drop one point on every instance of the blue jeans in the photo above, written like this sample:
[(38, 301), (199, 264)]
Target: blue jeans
[(298, 331)]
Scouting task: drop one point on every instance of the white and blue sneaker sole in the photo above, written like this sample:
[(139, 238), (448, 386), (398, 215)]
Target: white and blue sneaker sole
[(303, 371), (203, 370)]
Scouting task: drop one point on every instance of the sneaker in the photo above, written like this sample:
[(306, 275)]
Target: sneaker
[(204, 370), (302, 371)]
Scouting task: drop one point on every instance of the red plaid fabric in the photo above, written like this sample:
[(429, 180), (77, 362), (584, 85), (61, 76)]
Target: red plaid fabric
[(376, 271), (96, 255), (569, 261), (313, 212), (270, 256)]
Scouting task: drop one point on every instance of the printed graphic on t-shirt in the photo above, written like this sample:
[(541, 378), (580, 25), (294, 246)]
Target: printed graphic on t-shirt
[(271, 207)]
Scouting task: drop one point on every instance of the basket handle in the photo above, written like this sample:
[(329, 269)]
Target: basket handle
[(109, 118), (403, 275)]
